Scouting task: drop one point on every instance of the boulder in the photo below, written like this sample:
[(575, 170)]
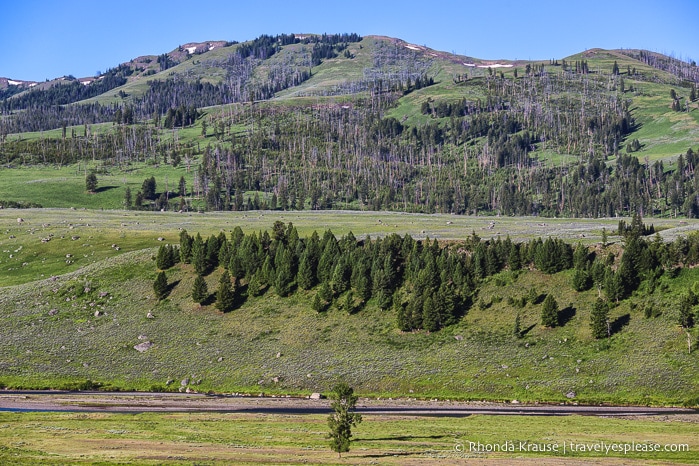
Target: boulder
[(141, 347)]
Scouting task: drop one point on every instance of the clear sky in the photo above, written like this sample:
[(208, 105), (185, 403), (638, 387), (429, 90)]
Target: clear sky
[(44, 39)]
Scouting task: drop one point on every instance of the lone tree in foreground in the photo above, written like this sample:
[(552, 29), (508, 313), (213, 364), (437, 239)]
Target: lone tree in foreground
[(343, 418), (549, 312)]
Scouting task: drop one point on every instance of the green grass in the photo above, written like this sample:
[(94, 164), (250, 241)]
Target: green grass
[(645, 363), (216, 438)]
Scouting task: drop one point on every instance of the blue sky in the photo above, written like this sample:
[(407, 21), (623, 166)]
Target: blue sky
[(47, 39)]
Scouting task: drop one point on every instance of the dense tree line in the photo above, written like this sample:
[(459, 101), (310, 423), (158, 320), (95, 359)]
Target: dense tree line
[(68, 91), (426, 284)]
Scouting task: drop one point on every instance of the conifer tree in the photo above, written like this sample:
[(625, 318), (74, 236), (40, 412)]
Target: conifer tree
[(599, 319), (254, 285), (343, 417), (200, 290), (91, 182), (549, 312), (517, 329), (283, 279), (225, 294), (430, 316), (199, 255), (160, 287), (185, 247), (305, 278)]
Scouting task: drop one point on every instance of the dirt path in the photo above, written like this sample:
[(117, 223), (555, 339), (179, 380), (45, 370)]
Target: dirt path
[(193, 402)]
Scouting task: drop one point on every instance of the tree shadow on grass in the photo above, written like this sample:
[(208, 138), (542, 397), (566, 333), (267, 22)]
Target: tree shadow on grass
[(402, 438), (539, 298), (102, 189), (390, 454), (564, 315), (527, 330), (209, 300), (619, 323), (171, 286)]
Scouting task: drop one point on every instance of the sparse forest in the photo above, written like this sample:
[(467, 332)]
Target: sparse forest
[(468, 156)]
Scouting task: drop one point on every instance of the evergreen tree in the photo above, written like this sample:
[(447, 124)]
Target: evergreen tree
[(128, 202), (517, 329), (236, 265), (686, 319), (323, 298), (185, 247), (160, 286), (430, 315), (549, 312), (201, 267), (305, 278), (284, 277), (200, 290), (346, 304), (91, 182), (343, 417), (165, 257), (599, 319), (613, 286), (581, 280), (254, 285), (148, 188), (212, 250), (340, 280), (225, 294)]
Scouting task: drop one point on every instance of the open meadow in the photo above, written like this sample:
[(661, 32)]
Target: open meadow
[(75, 305), (225, 438)]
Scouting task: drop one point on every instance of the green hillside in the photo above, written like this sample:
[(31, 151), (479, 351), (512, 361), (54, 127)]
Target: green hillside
[(395, 143), (77, 324)]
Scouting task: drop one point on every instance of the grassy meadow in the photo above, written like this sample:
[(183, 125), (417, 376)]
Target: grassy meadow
[(73, 308), (222, 438)]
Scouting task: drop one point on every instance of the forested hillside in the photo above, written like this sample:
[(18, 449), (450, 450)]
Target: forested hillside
[(344, 122)]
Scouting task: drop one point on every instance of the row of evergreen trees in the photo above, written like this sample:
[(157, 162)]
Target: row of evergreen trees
[(427, 285)]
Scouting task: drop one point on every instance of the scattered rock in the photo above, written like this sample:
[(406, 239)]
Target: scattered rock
[(169, 382), (459, 337), (141, 347), (275, 379), (316, 396), (184, 382), (53, 312), (570, 394), (150, 316), (220, 359), (160, 238), (142, 337), (98, 313), (515, 402), (279, 355), (75, 238)]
